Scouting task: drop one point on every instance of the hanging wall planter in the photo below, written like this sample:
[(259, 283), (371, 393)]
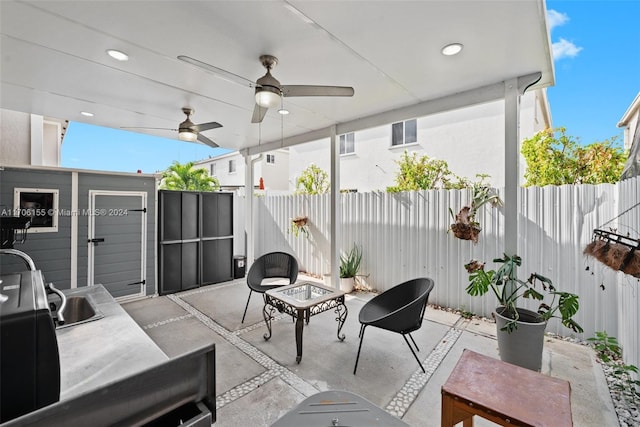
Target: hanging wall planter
[(618, 252), (465, 226), (299, 225)]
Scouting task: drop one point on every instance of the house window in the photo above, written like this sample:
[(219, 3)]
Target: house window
[(232, 166), (347, 143), (212, 169), (271, 158), (404, 132)]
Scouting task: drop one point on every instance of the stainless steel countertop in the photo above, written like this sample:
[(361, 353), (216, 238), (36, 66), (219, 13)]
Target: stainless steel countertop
[(102, 351)]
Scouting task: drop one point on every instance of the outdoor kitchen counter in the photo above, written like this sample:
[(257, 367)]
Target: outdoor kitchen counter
[(101, 351)]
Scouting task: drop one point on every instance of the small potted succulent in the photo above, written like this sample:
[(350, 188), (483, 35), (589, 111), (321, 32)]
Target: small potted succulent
[(520, 331), (349, 267)]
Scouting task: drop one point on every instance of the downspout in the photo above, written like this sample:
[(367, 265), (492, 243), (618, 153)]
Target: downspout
[(248, 193)]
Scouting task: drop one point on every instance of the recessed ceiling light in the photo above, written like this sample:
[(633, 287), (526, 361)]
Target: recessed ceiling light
[(452, 49), (119, 55), (86, 113), (283, 111)]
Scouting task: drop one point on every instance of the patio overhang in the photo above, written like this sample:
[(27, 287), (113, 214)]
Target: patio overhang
[(54, 64), (54, 61)]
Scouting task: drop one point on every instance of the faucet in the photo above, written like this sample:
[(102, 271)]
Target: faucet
[(52, 289)]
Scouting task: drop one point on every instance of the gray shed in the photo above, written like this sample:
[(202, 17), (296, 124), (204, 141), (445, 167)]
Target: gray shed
[(87, 227)]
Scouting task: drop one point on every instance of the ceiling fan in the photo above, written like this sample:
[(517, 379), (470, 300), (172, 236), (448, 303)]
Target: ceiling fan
[(268, 90), (188, 131)]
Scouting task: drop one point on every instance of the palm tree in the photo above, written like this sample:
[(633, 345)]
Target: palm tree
[(186, 177)]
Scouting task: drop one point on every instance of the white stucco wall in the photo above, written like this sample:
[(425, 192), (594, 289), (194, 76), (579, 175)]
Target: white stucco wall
[(470, 140), (629, 121), (15, 137), (29, 139), (629, 130), (275, 176)]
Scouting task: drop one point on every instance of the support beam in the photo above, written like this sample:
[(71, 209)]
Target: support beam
[(513, 90), (454, 101), (511, 160), (248, 213), (336, 209)]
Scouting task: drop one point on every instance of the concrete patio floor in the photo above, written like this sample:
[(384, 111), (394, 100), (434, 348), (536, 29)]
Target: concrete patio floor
[(259, 381)]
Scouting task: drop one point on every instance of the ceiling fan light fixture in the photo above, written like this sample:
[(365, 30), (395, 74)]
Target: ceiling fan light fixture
[(187, 135), (268, 97), (452, 49)]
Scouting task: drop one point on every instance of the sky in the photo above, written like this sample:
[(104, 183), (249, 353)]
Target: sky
[(98, 148), (596, 48)]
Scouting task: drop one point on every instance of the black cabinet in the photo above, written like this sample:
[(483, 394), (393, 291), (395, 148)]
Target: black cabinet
[(195, 245)]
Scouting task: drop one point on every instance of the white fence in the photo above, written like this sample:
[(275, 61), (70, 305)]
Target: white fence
[(404, 235)]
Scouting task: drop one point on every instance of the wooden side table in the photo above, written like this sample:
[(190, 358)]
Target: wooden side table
[(503, 393)]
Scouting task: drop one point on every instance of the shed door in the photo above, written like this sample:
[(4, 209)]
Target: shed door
[(117, 242)]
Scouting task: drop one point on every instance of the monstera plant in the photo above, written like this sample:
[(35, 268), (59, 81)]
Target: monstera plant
[(521, 331)]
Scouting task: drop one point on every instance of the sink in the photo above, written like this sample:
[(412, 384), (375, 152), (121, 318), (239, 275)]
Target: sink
[(79, 309)]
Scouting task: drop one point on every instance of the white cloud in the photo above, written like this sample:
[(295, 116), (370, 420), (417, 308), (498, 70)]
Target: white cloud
[(564, 49), (556, 19)]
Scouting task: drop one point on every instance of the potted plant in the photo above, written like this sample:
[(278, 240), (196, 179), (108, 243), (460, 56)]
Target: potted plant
[(520, 331), (349, 266), (465, 226), (299, 224)]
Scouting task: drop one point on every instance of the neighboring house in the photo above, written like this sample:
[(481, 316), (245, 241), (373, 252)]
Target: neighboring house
[(30, 140), (470, 140), (630, 121), (229, 170)]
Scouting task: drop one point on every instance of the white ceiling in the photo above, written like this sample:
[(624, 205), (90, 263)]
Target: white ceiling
[(54, 62)]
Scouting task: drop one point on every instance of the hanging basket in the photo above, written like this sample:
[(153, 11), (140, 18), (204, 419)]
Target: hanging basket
[(465, 227), (299, 224), (466, 231), (300, 221), (618, 252)]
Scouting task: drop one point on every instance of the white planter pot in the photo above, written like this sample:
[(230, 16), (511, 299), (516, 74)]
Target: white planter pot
[(346, 284), (327, 280), (523, 346)]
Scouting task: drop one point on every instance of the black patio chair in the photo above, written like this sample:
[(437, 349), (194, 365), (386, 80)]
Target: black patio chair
[(267, 266), (399, 309)]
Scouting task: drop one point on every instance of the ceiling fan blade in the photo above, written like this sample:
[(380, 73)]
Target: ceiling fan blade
[(307, 90), (142, 127), (207, 141), (224, 74), (206, 126), (258, 114)]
